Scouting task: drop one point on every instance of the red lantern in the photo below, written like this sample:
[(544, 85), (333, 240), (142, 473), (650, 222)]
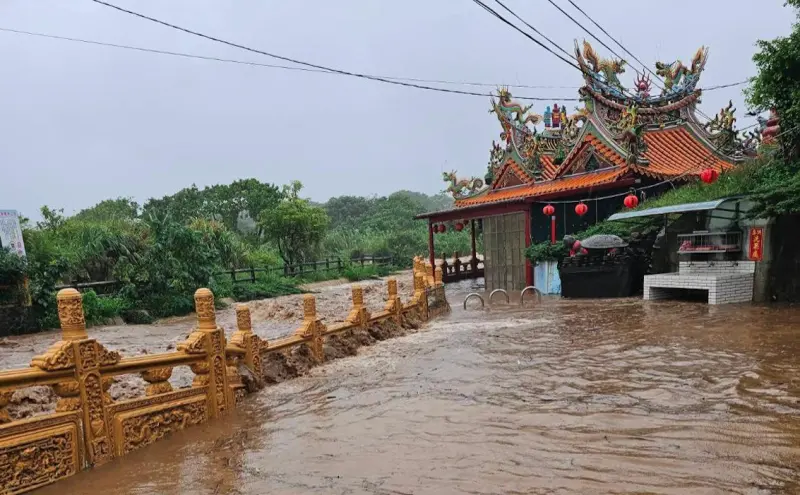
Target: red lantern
[(631, 201), (442, 228), (581, 209), (459, 227), (709, 175), (549, 210)]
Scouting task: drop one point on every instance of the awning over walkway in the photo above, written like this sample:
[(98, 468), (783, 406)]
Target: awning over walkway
[(718, 204)]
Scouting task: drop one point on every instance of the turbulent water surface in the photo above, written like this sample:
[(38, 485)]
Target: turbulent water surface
[(562, 397)]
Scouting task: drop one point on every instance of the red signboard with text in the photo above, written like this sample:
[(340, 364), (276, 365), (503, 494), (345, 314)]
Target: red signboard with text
[(756, 244)]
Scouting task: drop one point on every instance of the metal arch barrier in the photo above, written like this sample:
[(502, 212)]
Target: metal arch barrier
[(529, 288), (476, 295), (491, 296)]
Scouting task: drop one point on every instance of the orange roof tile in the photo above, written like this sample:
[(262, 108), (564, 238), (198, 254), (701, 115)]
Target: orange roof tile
[(549, 169), (601, 149), (676, 151), (572, 182)]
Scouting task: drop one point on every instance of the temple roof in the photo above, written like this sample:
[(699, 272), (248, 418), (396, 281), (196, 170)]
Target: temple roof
[(548, 187), (676, 151), (619, 135)]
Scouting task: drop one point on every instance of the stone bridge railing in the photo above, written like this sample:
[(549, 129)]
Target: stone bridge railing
[(88, 428)]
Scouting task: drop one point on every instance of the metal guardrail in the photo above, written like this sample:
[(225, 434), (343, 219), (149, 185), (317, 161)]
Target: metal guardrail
[(299, 269)]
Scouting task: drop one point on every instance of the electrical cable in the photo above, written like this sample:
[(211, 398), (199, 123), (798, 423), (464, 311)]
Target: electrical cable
[(590, 33), (296, 61), (509, 23), (570, 55), (274, 66), (615, 41)]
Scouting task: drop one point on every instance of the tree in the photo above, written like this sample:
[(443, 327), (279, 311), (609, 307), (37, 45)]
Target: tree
[(295, 226), (349, 211), (222, 202), (777, 84), (110, 209)]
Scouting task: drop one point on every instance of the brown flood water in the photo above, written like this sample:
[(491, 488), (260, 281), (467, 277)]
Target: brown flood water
[(565, 397)]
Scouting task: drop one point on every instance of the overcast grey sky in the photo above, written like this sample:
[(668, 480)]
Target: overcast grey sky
[(83, 123)]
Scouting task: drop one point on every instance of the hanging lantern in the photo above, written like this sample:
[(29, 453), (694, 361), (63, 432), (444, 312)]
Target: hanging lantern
[(549, 210), (709, 175), (459, 227), (631, 201), (442, 228), (581, 209)]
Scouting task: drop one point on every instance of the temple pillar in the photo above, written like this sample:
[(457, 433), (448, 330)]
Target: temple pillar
[(528, 265), (431, 253)]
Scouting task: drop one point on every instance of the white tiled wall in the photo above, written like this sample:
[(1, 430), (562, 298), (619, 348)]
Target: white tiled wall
[(725, 281), (716, 267)]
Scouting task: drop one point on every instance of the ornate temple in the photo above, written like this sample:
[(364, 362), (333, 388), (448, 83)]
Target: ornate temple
[(619, 139)]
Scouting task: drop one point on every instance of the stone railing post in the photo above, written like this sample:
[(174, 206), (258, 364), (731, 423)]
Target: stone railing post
[(209, 339), (312, 329), (359, 314), (247, 340), (394, 305), (88, 392), (438, 279), (421, 296), (429, 276)]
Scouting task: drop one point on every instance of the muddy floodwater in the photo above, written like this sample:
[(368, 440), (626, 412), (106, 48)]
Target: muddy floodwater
[(620, 396)]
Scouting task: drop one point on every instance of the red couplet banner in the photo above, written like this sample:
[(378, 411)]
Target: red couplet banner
[(756, 244)]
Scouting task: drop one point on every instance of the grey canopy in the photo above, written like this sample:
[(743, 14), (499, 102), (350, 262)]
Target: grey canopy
[(603, 241)]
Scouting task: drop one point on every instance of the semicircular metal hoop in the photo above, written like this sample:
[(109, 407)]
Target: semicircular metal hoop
[(530, 288), (476, 295), (502, 291)]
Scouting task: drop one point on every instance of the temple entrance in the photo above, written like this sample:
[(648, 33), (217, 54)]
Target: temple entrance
[(504, 251)]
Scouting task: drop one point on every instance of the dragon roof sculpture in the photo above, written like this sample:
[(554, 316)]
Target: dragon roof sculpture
[(603, 78), (647, 132), (522, 141)]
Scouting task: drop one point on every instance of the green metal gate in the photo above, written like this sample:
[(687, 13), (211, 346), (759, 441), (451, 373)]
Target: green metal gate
[(504, 251)]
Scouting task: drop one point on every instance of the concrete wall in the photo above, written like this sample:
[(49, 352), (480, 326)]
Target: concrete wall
[(781, 272)]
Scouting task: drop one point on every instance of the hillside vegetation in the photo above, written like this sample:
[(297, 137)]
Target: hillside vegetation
[(162, 251)]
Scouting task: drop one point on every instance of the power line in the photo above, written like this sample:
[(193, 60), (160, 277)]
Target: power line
[(509, 23), (535, 30), (614, 40), (506, 21), (591, 34), (274, 66), (300, 62), (729, 85)]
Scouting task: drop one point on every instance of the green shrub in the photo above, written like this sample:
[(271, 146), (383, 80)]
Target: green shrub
[(98, 310), (356, 273)]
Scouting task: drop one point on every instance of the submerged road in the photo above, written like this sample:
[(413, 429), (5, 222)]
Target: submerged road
[(564, 397)]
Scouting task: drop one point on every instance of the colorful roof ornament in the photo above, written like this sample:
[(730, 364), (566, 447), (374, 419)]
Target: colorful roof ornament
[(619, 137), (461, 188)]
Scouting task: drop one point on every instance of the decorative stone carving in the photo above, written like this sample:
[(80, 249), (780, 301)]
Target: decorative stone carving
[(60, 356), (394, 305), (157, 379), (31, 459), (194, 344), (5, 398), (359, 314), (145, 425), (243, 321), (69, 394), (70, 314), (204, 306), (312, 328)]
